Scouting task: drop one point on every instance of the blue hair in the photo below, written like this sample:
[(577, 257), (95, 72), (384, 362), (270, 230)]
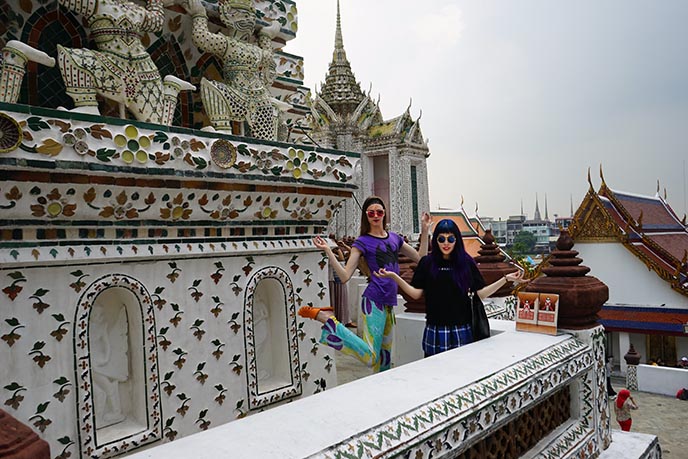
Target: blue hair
[(459, 260)]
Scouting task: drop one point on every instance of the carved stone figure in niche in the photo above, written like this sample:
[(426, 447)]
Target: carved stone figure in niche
[(249, 69), (109, 350), (121, 69), (15, 56), (261, 334)]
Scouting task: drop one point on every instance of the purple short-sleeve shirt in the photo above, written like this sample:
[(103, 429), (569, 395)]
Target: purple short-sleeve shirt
[(381, 252)]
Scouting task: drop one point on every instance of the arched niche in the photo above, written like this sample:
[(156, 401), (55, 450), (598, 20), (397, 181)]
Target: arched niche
[(118, 396), (272, 352)]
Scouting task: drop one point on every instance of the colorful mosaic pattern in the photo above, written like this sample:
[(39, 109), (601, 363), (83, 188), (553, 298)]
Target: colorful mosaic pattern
[(196, 340), (64, 138)]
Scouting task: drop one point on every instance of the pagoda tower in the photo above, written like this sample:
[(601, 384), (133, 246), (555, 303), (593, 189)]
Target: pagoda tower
[(393, 152)]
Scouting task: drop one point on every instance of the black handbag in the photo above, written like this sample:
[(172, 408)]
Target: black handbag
[(480, 326)]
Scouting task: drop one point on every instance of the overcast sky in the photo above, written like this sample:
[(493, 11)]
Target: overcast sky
[(521, 97)]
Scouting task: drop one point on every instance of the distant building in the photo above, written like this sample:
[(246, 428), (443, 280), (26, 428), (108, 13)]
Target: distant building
[(514, 225), (498, 228), (638, 247), (545, 232)]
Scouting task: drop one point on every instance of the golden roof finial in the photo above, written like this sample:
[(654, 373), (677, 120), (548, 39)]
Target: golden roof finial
[(640, 220), (592, 188), (602, 176), (462, 201), (657, 187)]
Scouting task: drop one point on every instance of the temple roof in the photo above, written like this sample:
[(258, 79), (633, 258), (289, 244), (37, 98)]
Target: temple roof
[(652, 320), (470, 228), (341, 91), (403, 127), (646, 225)]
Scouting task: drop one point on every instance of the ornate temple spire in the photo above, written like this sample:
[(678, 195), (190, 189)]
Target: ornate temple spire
[(546, 215), (339, 54), (537, 217), (571, 211), (341, 91)]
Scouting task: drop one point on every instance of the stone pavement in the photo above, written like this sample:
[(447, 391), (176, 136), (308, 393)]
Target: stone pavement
[(666, 417)]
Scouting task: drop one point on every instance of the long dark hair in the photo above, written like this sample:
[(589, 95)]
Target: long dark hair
[(365, 224), (459, 260)]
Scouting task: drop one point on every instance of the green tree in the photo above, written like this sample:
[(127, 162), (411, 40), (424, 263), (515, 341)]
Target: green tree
[(524, 243)]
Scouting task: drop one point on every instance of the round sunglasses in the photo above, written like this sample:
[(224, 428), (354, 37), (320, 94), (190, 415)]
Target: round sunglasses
[(375, 213), (442, 239)]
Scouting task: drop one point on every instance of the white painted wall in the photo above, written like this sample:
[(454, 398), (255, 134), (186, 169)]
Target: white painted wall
[(628, 278), (661, 380)]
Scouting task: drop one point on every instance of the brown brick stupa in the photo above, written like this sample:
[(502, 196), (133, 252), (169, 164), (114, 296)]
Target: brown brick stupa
[(580, 297), (492, 265), (18, 441)]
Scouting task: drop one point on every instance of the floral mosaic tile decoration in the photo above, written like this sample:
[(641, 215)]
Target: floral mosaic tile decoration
[(90, 205), (199, 346)]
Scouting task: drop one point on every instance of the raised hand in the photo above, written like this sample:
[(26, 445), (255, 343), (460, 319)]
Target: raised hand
[(426, 222), (320, 243)]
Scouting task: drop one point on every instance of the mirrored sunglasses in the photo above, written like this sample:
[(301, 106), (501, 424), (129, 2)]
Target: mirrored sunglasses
[(375, 213), (450, 239)]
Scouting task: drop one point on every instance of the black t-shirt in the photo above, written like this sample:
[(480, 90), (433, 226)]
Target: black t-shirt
[(445, 303)]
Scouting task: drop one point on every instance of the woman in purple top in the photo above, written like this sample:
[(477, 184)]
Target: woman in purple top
[(380, 249)]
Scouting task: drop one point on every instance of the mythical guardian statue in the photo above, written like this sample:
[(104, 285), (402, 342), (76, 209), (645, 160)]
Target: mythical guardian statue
[(249, 69), (121, 69)]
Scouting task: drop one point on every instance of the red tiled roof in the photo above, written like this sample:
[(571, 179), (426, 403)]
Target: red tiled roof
[(676, 243), (646, 320), (459, 217)]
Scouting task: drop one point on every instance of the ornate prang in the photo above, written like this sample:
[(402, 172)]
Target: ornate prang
[(580, 296)]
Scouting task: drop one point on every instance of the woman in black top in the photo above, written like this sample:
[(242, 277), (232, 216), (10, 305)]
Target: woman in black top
[(446, 276)]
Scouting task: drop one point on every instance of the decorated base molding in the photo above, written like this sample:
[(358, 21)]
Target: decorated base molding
[(535, 395)]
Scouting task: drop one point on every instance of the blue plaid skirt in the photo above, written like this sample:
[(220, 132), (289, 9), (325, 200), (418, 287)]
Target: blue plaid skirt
[(440, 338)]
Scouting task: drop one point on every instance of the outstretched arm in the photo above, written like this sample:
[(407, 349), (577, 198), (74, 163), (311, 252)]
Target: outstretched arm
[(343, 272), (410, 290), (489, 290)]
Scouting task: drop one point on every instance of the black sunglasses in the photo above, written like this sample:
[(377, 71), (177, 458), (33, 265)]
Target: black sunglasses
[(450, 239)]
